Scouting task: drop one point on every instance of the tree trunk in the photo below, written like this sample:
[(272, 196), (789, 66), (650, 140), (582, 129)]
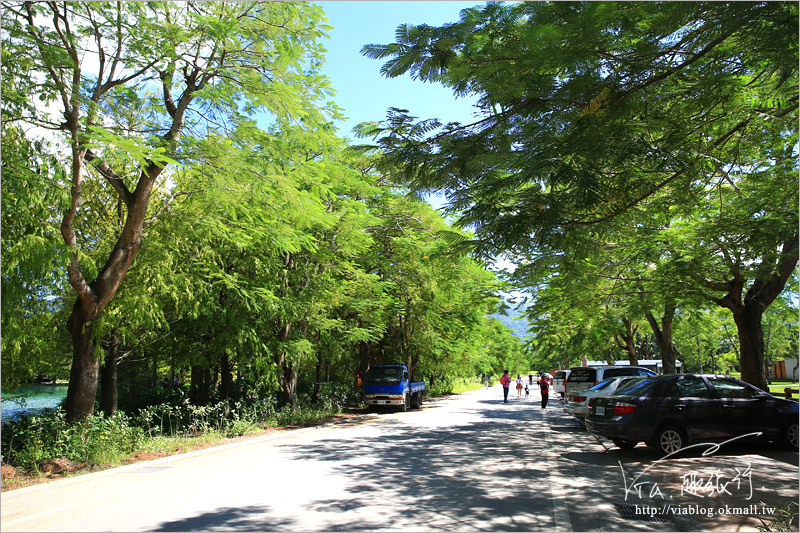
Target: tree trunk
[(199, 388), (366, 357), (287, 374), (663, 336), (287, 378), (626, 340), (83, 375), (108, 378), (317, 378), (747, 310), (751, 345), (226, 376)]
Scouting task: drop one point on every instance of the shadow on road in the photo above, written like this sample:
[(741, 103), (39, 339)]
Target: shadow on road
[(240, 519)]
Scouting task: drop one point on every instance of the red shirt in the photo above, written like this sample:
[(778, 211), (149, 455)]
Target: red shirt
[(505, 380)]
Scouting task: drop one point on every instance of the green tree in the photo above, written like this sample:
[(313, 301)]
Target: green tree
[(185, 68), (598, 113)]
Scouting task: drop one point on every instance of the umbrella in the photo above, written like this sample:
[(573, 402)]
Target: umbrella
[(547, 375)]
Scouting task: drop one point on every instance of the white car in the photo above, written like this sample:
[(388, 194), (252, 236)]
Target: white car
[(559, 381), (577, 402)]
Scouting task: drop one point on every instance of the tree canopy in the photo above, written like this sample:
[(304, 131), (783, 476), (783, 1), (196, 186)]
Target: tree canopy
[(603, 120), (145, 208)]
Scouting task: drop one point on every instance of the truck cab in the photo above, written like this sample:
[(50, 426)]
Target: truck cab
[(391, 386)]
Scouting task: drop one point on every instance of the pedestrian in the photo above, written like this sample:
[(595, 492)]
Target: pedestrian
[(527, 392), (544, 387), (530, 380), (519, 386), (486, 380), (505, 381)]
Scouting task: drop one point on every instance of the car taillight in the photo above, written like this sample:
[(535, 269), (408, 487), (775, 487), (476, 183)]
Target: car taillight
[(577, 398), (623, 408)]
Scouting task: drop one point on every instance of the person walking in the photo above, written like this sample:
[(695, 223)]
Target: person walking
[(486, 380), (505, 381), (544, 387), (519, 386)]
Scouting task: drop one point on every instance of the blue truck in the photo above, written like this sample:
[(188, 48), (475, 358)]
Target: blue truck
[(391, 386)]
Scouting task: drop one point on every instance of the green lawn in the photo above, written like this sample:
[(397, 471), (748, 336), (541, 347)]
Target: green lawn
[(776, 387)]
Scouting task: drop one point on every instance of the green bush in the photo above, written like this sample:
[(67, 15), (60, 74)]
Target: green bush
[(186, 419), (33, 439), (337, 396)]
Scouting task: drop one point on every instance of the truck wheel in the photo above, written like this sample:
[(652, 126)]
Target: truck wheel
[(416, 400)]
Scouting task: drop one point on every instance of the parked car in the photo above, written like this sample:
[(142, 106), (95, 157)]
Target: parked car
[(577, 401), (559, 379), (669, 412), (583, 377)]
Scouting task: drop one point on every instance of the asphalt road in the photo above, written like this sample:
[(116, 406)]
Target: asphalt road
[(465, 463)]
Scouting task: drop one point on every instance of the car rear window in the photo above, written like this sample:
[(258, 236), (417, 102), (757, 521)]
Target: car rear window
[(582, 374), (602, 385), (560, 375), (614, 372), (635, 386)]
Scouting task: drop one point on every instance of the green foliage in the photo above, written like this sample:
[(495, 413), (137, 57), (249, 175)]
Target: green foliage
[(229, 418), (337, 396), (625, 155), (268, 253), (30, 441), (784, 519)]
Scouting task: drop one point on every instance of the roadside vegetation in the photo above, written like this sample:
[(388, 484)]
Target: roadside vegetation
[(636, 160), (189, 244)]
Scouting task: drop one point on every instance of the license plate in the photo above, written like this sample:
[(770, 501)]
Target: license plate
[(381, 402), (600, 410)]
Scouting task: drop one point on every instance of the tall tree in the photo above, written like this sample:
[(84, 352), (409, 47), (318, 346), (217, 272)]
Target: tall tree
[(594, 112), (186, 68)]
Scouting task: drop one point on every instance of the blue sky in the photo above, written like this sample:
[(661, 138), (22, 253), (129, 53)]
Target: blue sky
[(361, 90)]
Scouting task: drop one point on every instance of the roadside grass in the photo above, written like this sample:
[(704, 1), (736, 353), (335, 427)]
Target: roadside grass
[(777, 387), (465, 385), (46, 455)]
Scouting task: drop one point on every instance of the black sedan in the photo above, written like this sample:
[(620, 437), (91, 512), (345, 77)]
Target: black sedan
[(668, 412)]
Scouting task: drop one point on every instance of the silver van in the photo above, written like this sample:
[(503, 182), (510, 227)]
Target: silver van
[(583, 377)]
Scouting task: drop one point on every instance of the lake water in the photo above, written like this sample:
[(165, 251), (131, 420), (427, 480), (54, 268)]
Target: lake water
[(31, 399)]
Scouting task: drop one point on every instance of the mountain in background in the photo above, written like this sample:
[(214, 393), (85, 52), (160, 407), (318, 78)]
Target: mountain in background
[(512, 320)]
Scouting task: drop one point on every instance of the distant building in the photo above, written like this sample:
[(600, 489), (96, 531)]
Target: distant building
[(786, 369), (651, 364)]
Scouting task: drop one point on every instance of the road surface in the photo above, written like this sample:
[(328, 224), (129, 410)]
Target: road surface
[(465, 463)]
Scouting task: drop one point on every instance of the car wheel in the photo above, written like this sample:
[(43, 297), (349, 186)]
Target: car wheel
[(625, 444), (668, 440), (790, 435)]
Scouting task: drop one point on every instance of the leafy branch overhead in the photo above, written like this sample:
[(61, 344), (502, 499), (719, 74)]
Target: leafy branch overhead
[(659, 139)]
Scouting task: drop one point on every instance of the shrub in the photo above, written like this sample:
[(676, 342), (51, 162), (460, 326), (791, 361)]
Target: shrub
[(33, 439), (337, 396)]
